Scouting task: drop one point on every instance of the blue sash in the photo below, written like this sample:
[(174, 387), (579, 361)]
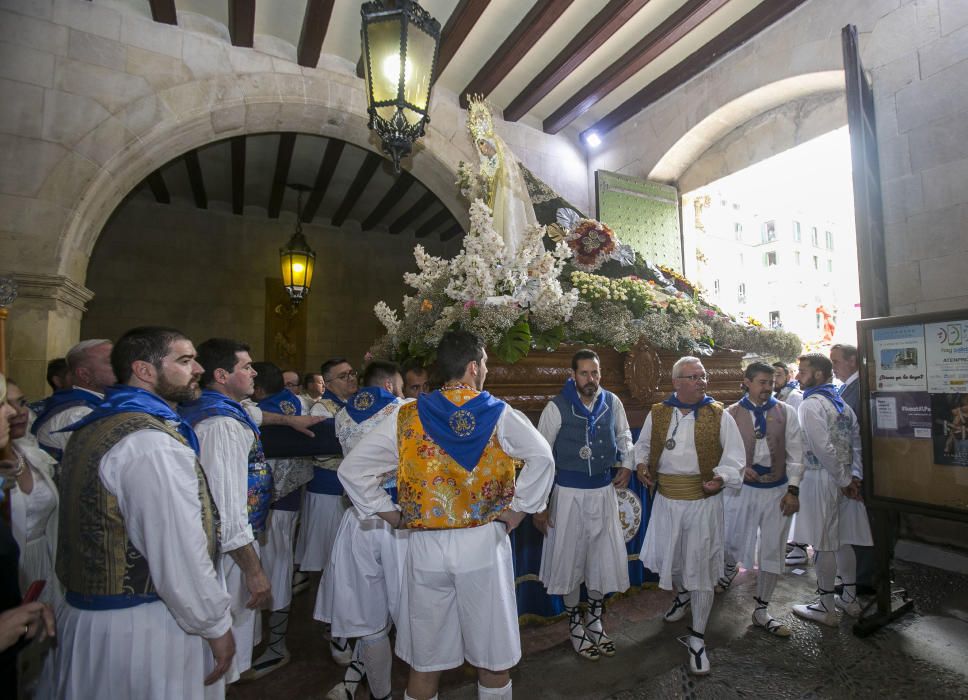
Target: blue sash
[(59, 400), (108, 602), (676, 403), (284, 402), (828, 392), (759, 412), (122, 398), (570, 392), (367, 402), (462, 431)]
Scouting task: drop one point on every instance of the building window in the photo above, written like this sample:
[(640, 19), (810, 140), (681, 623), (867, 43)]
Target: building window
[(796, 231), (796, 256), (735, 206), (740, 259), (830, 265), (769, 259), (775, 319), (769, 231), (738, 231), (814, 237), (816, 263), (741, 293), (722, 203), (829, 239), (716, 287)]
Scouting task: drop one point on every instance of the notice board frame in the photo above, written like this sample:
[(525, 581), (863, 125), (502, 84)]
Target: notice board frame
[(873, 472)]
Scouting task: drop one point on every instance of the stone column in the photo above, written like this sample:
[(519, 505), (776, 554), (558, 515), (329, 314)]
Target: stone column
[(44, 322)]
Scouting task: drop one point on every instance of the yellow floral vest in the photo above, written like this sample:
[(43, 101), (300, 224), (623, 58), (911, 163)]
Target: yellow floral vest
[(708, 448), (437, 493)]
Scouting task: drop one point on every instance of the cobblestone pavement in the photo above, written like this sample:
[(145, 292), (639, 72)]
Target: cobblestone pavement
[(922, 655)]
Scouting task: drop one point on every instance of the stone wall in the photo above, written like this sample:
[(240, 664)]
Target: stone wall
[(204, 273)]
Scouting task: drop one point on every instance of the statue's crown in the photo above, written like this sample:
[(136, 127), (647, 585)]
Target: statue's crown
[(479, 121)]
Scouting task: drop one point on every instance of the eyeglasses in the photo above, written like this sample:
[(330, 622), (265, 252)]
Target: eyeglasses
[(694, 377), (343, 376), (292, 385)]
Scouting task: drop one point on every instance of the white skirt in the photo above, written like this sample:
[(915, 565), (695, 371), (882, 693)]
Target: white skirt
[(585, 544), (458, 601), (277, 556), (359, 593), (685, 540), (246, 623), (138, 653), (753, 514), (321, 515), (36, 565), (827, 518)]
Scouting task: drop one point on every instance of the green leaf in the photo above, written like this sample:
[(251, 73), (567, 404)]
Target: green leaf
[(549, 340), (516, 342)]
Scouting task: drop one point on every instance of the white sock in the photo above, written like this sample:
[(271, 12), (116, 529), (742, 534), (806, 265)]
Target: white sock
[(765, 584), (494, 693), (847, 570), (378, 660), (702, 605), (572, 599)]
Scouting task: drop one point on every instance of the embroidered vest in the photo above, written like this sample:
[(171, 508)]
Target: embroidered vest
[(259, 496), (94, 555), (774, 475), (437, 493), (708, 448), (595, 470)]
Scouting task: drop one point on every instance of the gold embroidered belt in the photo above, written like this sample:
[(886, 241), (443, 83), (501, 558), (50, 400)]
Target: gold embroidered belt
[(681, 487)]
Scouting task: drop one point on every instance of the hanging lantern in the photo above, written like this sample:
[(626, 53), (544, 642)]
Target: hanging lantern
[(297, 258), (399, 59)]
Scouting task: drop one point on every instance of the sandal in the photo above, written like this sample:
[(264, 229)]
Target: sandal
[(580, 640)]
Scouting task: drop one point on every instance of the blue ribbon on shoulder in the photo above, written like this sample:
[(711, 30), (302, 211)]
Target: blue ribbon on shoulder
[(694, 407), (829, 392), (570, 392), (462, 431), (334, 398), (122, 398), (283, 402), (367, 402), (759, 412), (212, 403), (62, 399)]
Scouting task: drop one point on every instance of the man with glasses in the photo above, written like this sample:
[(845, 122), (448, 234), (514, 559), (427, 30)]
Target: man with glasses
[(690, 448)]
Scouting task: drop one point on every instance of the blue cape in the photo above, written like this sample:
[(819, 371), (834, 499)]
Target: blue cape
[(462, 431), (675, 402), (367, 402), (62, 399), (212, 403), (284, 402), (570, 392), (759, 412), (121, 398), (829, 392)]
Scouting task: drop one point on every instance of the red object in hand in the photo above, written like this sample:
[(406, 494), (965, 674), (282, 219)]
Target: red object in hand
[(33, 593)]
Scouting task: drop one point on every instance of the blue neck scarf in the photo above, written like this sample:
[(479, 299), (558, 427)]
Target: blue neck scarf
[(62, 399), (121, 398), (570, 392), (334, 398), (369, 400), (759, 412), (792, 385), (828, 392), (675, 402), (212, 403), (284, 402), (462, 431)]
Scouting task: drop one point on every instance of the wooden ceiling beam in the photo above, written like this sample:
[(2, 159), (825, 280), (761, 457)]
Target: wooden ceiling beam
[(287, 142), (603, 25), (738, 33), (156, 182), (327, 168), (163, 11), (314, 27), (242, 22), (400, 187), (458, 26), (357, 187), (654, 44), (418, 209), (529, 30), (433, 223), (238, 174), (194, 169)]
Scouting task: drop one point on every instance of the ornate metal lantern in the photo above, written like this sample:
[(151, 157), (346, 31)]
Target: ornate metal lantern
[(297, 258), (400, 60)]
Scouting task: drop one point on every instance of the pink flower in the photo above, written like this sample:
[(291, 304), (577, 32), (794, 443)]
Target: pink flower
[(470, 304), (368, 357)]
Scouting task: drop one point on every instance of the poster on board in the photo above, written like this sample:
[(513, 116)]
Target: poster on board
[(946, 349), (899, 359), (949, 423), (901, 414)]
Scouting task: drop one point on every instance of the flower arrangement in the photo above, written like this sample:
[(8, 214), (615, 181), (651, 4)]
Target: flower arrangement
[(591, 243)]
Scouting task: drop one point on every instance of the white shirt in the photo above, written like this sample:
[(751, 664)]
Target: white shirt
[(794, 446), (682, 459), (224, 445), (349, 432), (48, 435), (818, 419), (377, 453), (550, 424), (153, 477)]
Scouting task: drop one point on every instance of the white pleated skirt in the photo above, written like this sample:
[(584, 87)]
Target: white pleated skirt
[(277, 556), (246, 623), (359, 592), (827, 518), (586, 543), (753, 514), (321, 516), (685, 540)]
